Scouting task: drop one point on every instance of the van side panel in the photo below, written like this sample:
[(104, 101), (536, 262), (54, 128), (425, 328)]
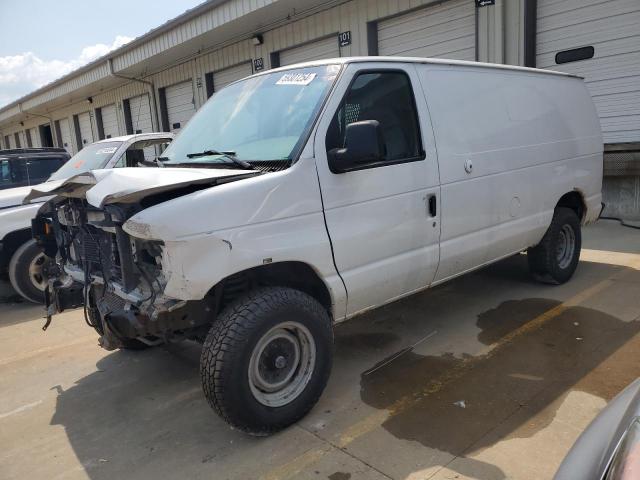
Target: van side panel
[(526, 139)]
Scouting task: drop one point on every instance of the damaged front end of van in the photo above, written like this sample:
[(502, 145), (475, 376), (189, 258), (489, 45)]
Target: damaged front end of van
[(106, 262)]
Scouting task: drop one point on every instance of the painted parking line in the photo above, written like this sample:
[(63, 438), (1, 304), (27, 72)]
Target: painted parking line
[(46, 350), (20, 409)]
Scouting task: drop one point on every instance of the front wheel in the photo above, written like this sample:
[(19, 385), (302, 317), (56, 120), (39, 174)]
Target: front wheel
[(267, 359), (27, 271), (555, 258)]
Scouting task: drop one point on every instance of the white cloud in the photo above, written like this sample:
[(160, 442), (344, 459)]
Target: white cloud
[(23, 73)]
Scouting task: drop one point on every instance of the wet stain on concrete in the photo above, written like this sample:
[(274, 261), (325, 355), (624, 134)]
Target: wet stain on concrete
[(509, 316), (511, 385), (340, 476)]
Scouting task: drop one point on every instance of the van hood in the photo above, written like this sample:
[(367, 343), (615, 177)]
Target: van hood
[(13, 197), (130, 185)]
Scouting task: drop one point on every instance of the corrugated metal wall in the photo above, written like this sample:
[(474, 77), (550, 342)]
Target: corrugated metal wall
[(613, 74), (327, 19)]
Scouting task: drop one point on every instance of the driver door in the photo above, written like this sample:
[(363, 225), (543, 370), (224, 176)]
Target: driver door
[(383, 219)]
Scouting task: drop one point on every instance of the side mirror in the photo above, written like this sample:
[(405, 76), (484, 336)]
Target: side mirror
[(364, 145)]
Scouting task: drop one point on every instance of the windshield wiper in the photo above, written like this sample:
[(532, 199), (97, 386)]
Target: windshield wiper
[(210, 151), (227, 154)]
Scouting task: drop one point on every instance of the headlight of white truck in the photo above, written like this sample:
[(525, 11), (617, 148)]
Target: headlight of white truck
[(138, 229)]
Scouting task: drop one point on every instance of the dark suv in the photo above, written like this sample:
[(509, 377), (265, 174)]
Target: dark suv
[(21, 167)]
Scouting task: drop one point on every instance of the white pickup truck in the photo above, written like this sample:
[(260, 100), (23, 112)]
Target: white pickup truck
[(21, 259), (306, 195)]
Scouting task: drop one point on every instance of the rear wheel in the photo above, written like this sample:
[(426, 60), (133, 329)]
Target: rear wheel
[(267, 359), (27, 272), (555, 259)]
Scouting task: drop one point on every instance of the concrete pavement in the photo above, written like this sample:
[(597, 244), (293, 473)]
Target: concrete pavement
[(490, 376)]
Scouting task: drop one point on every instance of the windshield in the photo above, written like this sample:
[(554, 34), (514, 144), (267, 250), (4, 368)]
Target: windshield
[(91, 157), (263, 118)]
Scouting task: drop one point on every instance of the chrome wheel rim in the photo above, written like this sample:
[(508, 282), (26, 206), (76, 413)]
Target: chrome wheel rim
[(566, 246), (282, 364), (36, 271)]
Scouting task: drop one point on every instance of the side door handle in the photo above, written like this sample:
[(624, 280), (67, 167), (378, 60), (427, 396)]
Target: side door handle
[(433, 206)]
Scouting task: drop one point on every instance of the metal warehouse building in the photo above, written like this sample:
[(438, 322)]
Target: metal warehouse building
[(159, 80)]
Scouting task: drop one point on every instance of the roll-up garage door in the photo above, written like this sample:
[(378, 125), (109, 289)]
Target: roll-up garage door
[(446, 30), (34, 135), (141, 120), (109, 121), (222, 78), (325, 48), (65, 133), (140, 114), (86, 132), (180, 104), (612, 28)]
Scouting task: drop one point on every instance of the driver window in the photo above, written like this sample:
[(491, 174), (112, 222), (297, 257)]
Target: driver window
[(388, 98)]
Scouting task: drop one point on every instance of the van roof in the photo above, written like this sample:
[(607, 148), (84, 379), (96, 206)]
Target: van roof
[(435, 61)]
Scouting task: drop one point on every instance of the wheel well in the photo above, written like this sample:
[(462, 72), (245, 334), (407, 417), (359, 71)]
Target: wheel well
[(574, 201), (296, 275), (10, 243)]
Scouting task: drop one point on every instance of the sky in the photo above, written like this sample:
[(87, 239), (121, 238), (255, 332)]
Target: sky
[(42, 40)]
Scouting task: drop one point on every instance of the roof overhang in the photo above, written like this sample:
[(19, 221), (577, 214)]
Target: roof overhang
[(204, 28)]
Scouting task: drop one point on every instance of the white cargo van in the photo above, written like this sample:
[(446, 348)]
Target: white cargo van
[(303, 196)]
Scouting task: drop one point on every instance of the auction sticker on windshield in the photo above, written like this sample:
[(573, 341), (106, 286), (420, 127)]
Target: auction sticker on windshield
[(296, 79), (104, 151)]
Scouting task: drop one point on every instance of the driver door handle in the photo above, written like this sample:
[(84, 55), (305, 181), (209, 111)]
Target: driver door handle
[(433, 206)]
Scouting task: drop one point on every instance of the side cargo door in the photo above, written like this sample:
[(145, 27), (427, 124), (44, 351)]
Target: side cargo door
[(383, 219)]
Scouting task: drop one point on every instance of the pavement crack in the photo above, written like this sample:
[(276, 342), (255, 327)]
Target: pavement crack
[(345, 451)]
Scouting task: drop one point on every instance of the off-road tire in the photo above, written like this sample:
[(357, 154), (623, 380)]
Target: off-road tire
[(19, 275), (544, 263), (226, 353)]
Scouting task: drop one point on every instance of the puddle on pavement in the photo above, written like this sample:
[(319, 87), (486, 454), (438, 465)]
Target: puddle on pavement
[(518, 379), (340, 476)]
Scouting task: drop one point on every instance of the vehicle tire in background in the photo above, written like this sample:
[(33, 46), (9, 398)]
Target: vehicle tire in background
[(267, 359), (26, 272), (555, 258)]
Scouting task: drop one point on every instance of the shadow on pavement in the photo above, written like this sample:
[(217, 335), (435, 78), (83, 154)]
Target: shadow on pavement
[(143, 414), (507, 387)]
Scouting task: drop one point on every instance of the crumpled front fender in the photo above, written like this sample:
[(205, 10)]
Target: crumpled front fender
[(193, 267)]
